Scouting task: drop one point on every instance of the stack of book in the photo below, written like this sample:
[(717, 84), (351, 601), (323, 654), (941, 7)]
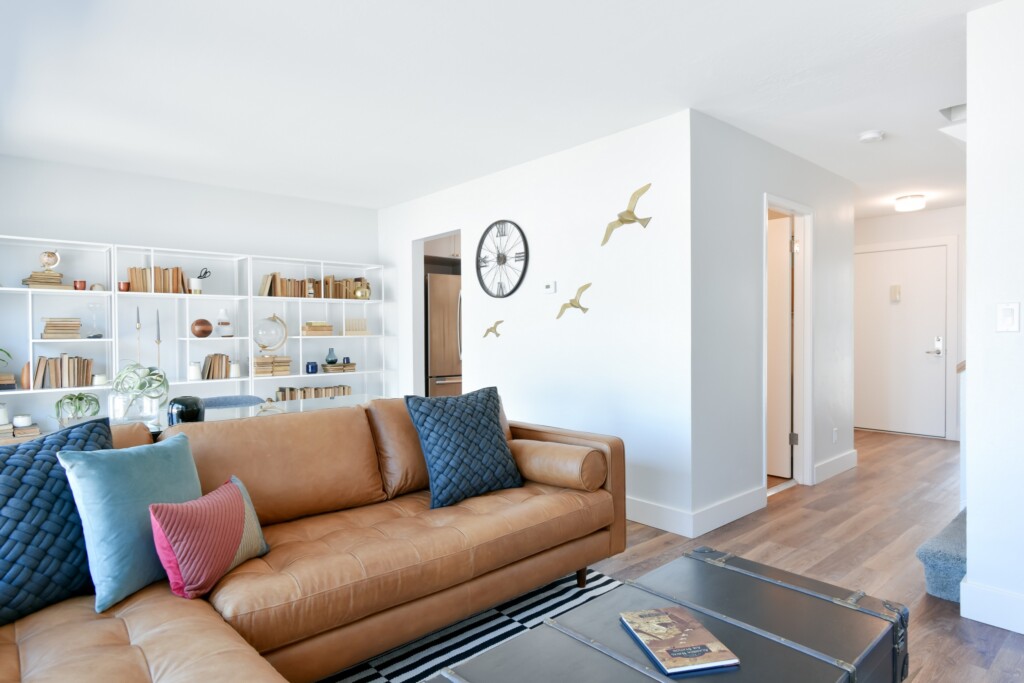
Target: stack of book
[(7, 382), (6, 430), (163, 280), (31, 430), (216, 366), (317, 328), (272, 366), (338, 367), (293, 393), (45, 279), (63, 371), (62, 328)]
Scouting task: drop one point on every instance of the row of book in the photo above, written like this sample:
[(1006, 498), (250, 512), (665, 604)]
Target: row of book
[(331, 287), (295, 393), (163, 280), (63, 371), (45, 279), (62, 328), (272, 366), (216, 366), (7, 430)]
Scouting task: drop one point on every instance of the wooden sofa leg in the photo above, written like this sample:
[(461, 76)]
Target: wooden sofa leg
[(581, 577)]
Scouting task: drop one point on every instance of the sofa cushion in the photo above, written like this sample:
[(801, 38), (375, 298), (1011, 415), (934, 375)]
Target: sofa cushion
[(464, 445), (293, 464), (326, 571), (402, 465), (151, 636), (113, 491), (42, 549), (560, 464), (200, 541)]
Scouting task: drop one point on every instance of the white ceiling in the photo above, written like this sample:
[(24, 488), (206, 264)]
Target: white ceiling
[(374, 102)]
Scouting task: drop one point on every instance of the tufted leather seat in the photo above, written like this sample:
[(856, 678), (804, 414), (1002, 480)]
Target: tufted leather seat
[(151, 636), (329, 570)]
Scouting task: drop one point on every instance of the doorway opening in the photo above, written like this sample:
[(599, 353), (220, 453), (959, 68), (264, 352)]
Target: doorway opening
[(442, 301), (787, 429)]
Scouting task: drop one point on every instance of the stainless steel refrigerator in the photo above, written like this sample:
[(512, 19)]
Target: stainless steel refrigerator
[(444, 335)]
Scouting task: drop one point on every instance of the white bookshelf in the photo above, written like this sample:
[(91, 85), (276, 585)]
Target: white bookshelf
[(232, 286)]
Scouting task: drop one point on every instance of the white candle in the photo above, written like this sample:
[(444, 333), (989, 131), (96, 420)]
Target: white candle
[(138, 319), (158, 324)]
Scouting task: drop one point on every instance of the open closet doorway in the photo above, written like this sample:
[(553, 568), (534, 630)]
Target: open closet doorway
[(442, 292), (786, 328)]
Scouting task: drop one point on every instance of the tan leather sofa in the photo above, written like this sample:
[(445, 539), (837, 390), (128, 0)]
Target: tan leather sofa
[(358, 561)]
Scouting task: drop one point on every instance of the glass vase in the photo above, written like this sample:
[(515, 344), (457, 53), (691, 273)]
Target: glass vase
[(127, 408)]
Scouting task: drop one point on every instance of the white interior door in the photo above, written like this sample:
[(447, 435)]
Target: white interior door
[(780, 348), (900, 340)]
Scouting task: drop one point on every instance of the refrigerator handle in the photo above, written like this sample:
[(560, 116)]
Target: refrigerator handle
[(458, 332)]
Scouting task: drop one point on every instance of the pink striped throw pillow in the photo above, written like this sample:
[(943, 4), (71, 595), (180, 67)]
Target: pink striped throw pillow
[(200, 541)]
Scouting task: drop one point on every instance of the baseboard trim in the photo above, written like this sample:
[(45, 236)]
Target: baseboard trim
[(659, 516), (835, 465), (991, 605), (693, 524)]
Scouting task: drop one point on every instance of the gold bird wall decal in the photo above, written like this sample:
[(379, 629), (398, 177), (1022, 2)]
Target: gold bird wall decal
[(575, 301), (494, 328), (627, 216)]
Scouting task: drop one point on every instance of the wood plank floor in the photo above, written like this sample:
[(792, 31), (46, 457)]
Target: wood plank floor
[(859, 530)]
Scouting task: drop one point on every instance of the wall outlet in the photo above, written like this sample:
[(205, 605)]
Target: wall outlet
[(835, 435), (550, 287)]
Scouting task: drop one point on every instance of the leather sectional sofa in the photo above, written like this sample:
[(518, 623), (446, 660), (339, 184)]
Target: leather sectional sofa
[(358, 563)]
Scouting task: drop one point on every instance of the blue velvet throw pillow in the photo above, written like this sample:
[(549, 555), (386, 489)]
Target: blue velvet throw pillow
[(113, 490), (42, 549), (464, 445)]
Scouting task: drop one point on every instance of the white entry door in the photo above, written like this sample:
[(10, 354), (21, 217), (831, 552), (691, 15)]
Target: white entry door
[(901, 338)]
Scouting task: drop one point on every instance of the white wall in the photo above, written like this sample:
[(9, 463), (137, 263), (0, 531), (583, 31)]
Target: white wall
[(923, 225), (993, 591), (731, 172), (61, 201), (623, 367)]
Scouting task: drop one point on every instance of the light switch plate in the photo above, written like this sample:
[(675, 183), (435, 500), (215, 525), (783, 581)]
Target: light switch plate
[(550, 287), (1008, 317)]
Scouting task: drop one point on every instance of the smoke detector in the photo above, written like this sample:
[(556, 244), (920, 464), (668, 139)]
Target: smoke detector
[(869, 136)]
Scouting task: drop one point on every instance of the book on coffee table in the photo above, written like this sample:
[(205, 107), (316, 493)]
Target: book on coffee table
[(675, 641)]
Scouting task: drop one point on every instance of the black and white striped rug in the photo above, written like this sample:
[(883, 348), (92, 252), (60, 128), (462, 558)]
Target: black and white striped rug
[(421, 659)]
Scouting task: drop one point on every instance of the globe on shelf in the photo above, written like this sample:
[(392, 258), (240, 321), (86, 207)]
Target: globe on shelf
[(270, 333), (49, 260)]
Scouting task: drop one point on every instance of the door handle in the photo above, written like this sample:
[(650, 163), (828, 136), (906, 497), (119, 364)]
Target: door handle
[(442, 382), (937, 351)]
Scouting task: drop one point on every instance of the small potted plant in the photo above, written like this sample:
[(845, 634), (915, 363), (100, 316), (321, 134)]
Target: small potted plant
[(71, 408), (5, 357), (137, 394)]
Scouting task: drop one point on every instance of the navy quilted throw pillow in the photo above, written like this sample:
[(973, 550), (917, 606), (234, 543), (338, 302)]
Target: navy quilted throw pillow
[(464, 445), (42, 549)]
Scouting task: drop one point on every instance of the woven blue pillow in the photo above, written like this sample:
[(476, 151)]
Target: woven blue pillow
[(464, 445), (42, 549)]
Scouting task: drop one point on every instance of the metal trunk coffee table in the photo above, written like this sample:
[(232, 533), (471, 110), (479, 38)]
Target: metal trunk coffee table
[(782, 626)]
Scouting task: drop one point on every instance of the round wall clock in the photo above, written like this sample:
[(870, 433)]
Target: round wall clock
[(501, 258)]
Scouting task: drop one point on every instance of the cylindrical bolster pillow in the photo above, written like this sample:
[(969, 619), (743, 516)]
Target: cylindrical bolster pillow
[(560, 464)]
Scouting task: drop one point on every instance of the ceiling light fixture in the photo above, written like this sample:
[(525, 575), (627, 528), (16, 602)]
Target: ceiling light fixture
[(869, 136), (910, 202)]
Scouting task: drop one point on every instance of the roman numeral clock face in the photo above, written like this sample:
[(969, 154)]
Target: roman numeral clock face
[(501, 258)]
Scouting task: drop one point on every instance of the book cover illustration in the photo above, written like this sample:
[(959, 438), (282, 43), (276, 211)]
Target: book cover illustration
[(676, 641)]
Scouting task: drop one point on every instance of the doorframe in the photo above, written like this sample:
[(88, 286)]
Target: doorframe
[(419, 308), (952, 316), (803, 393)]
